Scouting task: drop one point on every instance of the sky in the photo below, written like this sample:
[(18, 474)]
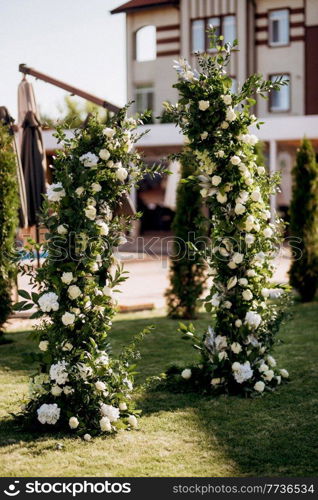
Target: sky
[(76, 41)]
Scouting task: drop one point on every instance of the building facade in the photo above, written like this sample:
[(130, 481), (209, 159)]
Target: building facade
[(276, 38)]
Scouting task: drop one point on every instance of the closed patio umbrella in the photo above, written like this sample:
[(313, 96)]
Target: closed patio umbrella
[(34, 165), (23, 211)]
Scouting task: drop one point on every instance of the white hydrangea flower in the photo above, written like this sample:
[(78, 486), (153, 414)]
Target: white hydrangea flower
[(105, 424), (186, 373), (89, 160), (253, 319), (109, 411), (55, 192), (242, 372), (48, 302), (48, 413), (58, 372), (132, 420)]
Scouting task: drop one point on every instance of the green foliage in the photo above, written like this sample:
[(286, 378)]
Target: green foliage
[(245, 305), (187, 271), (304, 222), (74, 113), (9, 203), (86, 389)]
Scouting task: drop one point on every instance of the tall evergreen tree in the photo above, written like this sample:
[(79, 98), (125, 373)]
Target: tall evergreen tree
[(9, 202), (304, 222), (187, 269)]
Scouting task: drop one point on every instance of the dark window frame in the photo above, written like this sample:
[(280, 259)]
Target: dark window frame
[(269, 42), (206, 19)]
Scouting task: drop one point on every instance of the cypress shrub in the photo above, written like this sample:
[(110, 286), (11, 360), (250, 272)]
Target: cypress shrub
[(9, 202), (187, 274), (304, 222)]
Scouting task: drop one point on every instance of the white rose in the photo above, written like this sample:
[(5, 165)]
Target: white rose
[(89, 160), (268, 232), (247, 295), (271, 361), (279, 379), (132, 421), (238, 323), (67, 278), (90, 212), (259, 386), (261, 170), (103, 227), (224, 125), (96, 187), (236, 347), (204, 135), (48, 302), (263, 367), (238, 258), (121, 174), (268, 375), (231, 282), (242, 197), (236, 366), (67, 346), (232, 265), (239, 209), (68, 390), (109, 132), (235, 160), (227, 304), (87, 437), (227, 99), (243, 282), (107, 291), (256, 195), (251, 273), (105, 424), (215, 300), (220, 154), (222, 355), (100, 386), (222, 198), (79, 191), (249, 239), (186, 373), (204, 105), (215, 381), (284, 373), (74, 292), (122, 406), (68, 318), (253, 319), (104, 154), (216, 180), (61, 229), (265, 292), (56, 390), (43, 345), (230, 115)]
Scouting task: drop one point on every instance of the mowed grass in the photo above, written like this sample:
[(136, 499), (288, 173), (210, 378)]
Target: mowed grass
[(180, 434)]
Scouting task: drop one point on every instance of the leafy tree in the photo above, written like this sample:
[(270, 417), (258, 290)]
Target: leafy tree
[(304, 222), (187, 268), (9, 203)]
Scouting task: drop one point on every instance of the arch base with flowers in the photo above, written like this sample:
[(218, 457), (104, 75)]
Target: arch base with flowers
[(79, 386), (245, 305)]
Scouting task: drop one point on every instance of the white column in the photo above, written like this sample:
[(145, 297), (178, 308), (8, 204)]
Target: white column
[(272, 170)]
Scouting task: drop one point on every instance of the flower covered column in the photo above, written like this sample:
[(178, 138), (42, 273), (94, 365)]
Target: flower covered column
[(236, 351), (79, 387)]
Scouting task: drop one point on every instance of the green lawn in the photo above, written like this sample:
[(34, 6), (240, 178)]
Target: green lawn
[(180, 435)]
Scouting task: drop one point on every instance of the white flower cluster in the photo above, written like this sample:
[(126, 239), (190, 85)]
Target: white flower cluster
[(49, 414), (58, 372), (55, 192), (48, 302)]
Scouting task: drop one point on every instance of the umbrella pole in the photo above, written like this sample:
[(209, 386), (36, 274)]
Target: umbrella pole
[(37, 237)]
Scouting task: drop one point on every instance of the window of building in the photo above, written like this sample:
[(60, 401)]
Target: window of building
[(280, 99), (145, 44), (224, 25), (278, 25), (144, 98)]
